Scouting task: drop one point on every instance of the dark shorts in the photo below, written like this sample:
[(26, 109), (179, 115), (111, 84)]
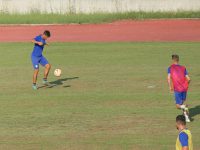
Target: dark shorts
[(180, 97)]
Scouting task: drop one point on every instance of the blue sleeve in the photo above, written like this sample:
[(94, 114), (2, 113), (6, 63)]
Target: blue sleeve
[(37, 38), (183, 138), (168, 70), (186, 73)]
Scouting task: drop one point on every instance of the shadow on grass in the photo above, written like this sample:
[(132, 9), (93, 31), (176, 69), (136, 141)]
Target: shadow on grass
[(194, 112), (58, 82)]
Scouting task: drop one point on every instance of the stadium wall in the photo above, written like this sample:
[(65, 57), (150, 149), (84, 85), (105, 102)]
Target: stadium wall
[(92, 6)]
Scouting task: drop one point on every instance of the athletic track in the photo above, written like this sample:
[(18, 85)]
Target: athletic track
[(147, 30)]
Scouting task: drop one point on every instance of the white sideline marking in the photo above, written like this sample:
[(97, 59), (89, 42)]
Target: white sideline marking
[(151, 86)]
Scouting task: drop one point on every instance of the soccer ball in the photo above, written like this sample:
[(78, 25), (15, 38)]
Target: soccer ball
[(57, 72)]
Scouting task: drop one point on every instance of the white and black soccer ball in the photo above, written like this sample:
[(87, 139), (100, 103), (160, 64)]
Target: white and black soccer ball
[(57, 72)]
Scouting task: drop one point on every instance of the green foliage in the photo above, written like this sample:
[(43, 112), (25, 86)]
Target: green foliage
[(35, 17)]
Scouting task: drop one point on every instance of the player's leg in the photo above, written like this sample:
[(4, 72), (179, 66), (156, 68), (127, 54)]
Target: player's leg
[(186, 110), (35, 74), (179, 101), (44, 62), (47, 69), (181, 106), (180, 98), (35, 62)]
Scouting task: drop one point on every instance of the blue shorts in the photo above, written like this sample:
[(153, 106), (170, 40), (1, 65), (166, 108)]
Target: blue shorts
[(38, 60), (180, 97)]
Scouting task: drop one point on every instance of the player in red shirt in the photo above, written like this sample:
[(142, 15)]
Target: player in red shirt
[(178, 81)]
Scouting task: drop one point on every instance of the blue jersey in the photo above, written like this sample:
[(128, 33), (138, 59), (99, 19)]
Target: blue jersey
[(37, 51)]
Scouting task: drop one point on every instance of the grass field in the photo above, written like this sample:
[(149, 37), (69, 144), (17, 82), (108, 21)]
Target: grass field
[(111, 96), (39, 18)]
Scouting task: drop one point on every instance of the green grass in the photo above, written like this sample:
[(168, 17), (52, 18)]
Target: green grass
[(38, 18), (108, 107)]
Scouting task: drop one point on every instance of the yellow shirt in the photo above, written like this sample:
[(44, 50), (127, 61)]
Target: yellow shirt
[(178, 143)]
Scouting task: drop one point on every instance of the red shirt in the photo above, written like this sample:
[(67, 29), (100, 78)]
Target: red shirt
[(178, 74)]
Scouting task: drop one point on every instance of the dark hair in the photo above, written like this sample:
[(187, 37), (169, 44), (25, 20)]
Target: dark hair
[(175, 57), (181, 119), (47, 33)]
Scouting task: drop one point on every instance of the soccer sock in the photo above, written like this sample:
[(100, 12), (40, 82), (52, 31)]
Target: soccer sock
[(45, 79), (34, 84), (185, 114)]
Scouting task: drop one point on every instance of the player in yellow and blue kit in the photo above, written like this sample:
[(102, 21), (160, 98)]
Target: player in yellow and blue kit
[(184, 139), (37, 57)]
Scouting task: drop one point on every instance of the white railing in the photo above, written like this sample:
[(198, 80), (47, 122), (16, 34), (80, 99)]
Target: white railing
[(91, 6)]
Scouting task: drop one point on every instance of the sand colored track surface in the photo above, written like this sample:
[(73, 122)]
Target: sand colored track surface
[(147, 30)]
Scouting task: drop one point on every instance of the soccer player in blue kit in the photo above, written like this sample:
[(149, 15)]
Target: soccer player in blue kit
[(37, 57)]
